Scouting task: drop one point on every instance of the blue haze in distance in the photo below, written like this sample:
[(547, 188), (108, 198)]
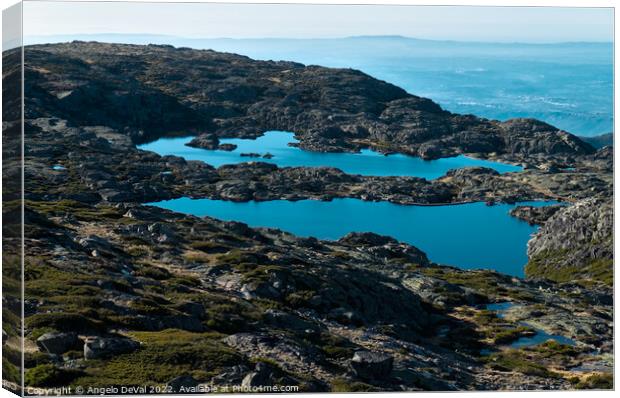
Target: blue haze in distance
[(569, 85), (551, 63), (213, 20)]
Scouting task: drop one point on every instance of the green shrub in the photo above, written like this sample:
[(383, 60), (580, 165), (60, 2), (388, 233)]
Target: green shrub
[(65, 322), (153, 272), (516, 360), (32, 359), (48, 375), (511, 334), (10, 372), (553, 349), (11, 355)]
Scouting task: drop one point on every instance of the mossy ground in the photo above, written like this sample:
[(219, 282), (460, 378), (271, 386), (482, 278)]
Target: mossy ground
[(48, 375), (486, 282), (497, 330), (549, 360), (552, 265), (597, 381), (163, 355), (519, 361)]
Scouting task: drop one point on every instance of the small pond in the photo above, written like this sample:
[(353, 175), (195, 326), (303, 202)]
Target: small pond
[(540, 337)]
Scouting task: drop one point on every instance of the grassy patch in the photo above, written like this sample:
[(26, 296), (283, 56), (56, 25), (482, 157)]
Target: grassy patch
[(509, 335), (553, 350), (48, 375), (10, 372), (66, 322), (599, 381), (153, 272), (497, 329), (45, 281), (229, 317), (519, 361), (163, 356), (79, 210), (552, 265), (196, 257)]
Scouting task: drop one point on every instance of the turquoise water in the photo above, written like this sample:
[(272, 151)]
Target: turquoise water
[(540, 337), (276, 143), (468, 236), (569, 85)]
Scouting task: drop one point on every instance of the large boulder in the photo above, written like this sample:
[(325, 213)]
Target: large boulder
[(106, 347), (369, 365), (57, 343), (384, 248)]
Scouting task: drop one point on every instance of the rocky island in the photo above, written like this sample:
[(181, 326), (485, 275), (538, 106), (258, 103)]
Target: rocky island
[(118, 293)]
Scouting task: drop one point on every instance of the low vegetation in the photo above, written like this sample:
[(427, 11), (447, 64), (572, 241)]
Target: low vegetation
[(163, 356)]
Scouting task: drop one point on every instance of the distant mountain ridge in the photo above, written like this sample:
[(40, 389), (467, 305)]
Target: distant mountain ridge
[(171, 39), (600, 141)]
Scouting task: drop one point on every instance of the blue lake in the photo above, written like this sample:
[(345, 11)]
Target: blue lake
[(468, 236), (276, 143)]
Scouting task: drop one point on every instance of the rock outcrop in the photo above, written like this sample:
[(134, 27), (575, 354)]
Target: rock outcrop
[(106, 347), (576, 242), (535, 215), (57, 343), (156, 90)]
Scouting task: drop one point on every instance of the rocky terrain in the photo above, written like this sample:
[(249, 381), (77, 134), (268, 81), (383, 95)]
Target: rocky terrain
[(123, 294), (150, 91), (575, 242)]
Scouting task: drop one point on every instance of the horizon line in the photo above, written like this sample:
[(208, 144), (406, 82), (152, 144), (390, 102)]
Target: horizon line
[(395, 36)]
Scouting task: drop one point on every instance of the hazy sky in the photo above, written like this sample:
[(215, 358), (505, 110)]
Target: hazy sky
[(524, 24)]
